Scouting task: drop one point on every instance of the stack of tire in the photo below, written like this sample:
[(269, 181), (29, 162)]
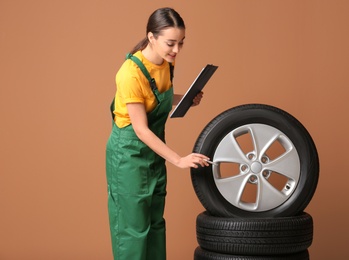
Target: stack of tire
[(264, 172)]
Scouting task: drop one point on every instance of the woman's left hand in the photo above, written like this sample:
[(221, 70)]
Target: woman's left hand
[(197, 99)]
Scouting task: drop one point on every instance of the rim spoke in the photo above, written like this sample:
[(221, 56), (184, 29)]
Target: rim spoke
[(229, 151), (268, 196), (232, 188), (262, 138), (287, 165)]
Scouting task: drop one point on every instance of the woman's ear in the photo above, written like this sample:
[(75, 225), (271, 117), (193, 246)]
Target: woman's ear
[(150, 37)]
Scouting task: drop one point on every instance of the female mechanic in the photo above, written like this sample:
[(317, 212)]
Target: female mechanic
[(136, 150)]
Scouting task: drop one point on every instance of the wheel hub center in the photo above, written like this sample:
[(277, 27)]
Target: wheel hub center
[(256, 167)]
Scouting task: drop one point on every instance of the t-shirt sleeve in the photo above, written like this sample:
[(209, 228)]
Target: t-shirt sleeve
[(129, 88)]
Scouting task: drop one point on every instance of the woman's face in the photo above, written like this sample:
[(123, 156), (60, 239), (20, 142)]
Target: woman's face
[(168, 44)]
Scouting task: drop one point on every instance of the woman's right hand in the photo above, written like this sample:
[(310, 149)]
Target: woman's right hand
[(193, 160)]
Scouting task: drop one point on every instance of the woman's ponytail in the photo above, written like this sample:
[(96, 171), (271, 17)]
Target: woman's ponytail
[(140, 46)]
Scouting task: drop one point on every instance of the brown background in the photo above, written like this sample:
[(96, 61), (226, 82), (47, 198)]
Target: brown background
[(58, 60)]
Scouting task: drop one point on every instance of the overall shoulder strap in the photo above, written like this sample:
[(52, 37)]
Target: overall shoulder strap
[(145, 73), (143, 69), (171, 71)]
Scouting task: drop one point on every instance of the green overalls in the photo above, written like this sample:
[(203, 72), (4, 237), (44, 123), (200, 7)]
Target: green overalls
[(136, 179)]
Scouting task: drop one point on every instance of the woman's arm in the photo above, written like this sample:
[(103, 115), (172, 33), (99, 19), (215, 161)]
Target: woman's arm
[(140, 125)]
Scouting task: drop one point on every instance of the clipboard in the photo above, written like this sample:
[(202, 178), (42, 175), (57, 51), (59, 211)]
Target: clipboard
[(199, 83)]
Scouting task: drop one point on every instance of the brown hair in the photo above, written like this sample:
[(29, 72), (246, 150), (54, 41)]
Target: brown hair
[(159, 20)]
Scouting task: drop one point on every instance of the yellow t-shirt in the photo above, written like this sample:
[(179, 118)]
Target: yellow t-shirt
[(133, 87)]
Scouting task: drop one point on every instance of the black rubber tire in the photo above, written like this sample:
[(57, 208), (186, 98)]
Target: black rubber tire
[(259, 236), (201, 254), (209, 139)]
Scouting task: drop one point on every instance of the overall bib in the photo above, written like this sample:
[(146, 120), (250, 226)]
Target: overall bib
[(136, 179)]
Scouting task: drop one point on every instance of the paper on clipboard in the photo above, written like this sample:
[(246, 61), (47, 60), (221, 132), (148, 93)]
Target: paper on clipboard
[(187, 100)]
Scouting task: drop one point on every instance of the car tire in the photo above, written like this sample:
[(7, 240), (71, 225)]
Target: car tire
[(201, 254), (265, 164), (259, 236)]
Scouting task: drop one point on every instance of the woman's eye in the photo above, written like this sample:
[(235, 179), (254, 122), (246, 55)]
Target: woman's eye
[(172, 44)]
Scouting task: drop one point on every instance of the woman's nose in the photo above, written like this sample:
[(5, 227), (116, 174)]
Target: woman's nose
[(175, 48)]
